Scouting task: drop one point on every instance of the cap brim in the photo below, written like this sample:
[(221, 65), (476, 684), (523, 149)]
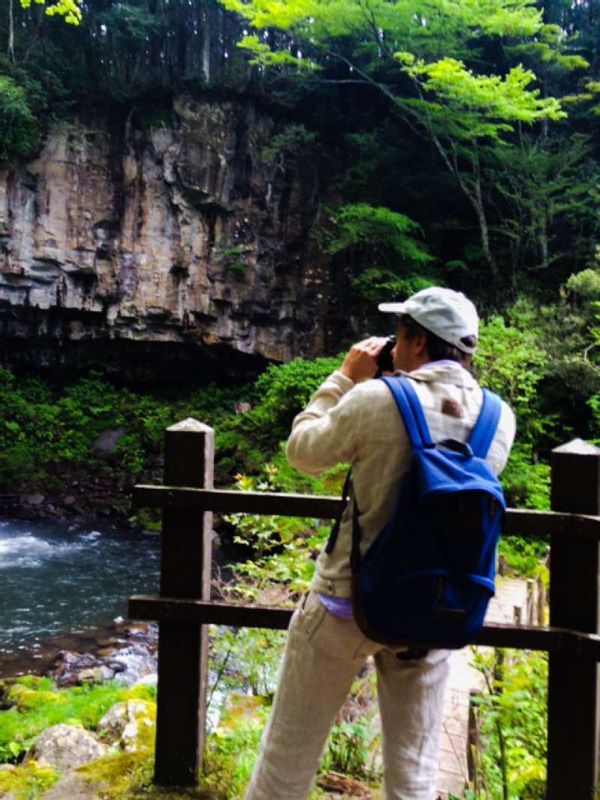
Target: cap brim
[(392, 308)]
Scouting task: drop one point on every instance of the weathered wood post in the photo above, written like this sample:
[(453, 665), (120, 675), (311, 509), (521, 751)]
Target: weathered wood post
[(574, 603), (182, 646)]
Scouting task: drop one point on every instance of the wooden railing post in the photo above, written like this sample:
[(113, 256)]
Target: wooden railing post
[(574, 603), (182, 646)]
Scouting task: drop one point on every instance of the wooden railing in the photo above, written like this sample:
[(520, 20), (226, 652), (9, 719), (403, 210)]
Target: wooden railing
[(183, 609)]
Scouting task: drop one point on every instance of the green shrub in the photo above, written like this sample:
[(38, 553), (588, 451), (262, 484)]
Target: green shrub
[(44, 430), (19, 129), (35, 704), (512, 711), (27, 781), (524, 557), (281, 392)]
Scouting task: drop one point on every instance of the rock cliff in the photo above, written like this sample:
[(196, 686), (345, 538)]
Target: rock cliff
[(167, 246)]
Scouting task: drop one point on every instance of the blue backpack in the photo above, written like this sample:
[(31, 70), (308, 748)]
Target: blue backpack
[(428, 576)]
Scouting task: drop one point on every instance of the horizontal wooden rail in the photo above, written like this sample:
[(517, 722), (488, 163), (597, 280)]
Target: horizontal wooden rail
[(231, 502), (525, 637), (541, 524), (529, 524)]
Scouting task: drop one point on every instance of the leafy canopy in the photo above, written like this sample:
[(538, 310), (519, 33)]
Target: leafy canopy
[(430, 59), (68, 9), (480, 105), (425, 22)]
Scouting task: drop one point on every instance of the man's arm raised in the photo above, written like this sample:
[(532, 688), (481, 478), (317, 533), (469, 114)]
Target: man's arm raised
[(328, 431)]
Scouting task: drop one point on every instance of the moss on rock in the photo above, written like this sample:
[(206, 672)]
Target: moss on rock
[(26, 781)]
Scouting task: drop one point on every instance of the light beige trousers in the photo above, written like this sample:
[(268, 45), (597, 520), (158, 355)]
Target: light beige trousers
[(323, 655)]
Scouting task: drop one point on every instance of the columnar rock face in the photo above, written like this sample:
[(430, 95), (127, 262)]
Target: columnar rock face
[(183, 234)]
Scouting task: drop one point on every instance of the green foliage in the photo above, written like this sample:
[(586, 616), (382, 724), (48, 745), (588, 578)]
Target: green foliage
[(362, 235), (513, 719), (379, 229), (524, 557), (316, 23), (69, 10), (280, 392), (42, 431), (354, 744), (291, 147), (27, 781), (543, 184), (376, 285), (243, 660), (120, 774), (454, 96), (233, 260), (510, 361), (283, 549), (19, 129), (34, 704), (348, 747), (467, 106), (283, 390), (232, 748), (526, 483), (585, 284)]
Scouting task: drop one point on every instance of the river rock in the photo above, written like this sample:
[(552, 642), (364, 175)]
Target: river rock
[(99, 674), (127, 722), (65, 747), (106, 652), (35, 499), (130, 657), (73, 787)]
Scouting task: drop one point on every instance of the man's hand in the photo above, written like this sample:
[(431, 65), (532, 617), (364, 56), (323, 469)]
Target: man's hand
[(360, 362)]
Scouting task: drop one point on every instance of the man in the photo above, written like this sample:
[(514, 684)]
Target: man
[(353, 419)]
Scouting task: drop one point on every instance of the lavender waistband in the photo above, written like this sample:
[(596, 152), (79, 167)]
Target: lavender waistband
[(338, 606)]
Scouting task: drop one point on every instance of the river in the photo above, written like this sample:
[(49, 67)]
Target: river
[(60, 579)]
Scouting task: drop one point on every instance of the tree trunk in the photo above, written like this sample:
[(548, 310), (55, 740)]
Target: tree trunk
[(544, 248), (484, 232), (473, 194), (11, 33), (206, 42)]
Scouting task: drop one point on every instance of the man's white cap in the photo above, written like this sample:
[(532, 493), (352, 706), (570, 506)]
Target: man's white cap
[(448, 314)]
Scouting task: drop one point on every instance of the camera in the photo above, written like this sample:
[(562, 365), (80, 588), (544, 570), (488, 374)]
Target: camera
[(384, 359)]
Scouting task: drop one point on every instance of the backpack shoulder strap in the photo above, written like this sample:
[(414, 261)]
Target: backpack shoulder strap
[(338, 520), (484, 430), (410, 411)]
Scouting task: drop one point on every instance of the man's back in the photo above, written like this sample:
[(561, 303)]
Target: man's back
[(360, 424)]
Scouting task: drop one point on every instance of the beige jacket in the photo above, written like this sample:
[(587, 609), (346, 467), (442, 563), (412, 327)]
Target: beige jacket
[(360, 424)]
